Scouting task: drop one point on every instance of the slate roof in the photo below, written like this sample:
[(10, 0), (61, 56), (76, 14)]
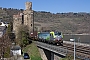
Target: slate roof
[(15, 47)]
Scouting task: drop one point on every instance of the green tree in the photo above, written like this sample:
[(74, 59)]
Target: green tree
[(25, 38), (22, 36), (8, 29)]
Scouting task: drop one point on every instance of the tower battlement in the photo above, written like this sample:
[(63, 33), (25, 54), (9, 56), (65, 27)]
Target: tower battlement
[(28, 5)]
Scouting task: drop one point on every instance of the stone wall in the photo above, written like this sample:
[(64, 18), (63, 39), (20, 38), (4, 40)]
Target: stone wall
[(28, 5)]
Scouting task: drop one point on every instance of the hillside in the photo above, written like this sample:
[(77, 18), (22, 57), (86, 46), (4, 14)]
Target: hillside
[(66, 22), (6, 14)]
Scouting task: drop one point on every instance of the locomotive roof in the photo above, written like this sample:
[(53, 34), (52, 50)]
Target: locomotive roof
[(44, 32)]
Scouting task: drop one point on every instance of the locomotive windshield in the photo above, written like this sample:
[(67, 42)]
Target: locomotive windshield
[(58, 33)]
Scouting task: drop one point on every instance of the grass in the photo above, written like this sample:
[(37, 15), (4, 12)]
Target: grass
[(33, 51), (69, 57), (7, 53)]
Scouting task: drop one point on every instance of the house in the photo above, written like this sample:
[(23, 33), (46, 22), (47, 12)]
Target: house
[(3, 24), (16, 50)]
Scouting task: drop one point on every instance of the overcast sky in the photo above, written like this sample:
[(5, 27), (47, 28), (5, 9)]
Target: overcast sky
[(53, 6)]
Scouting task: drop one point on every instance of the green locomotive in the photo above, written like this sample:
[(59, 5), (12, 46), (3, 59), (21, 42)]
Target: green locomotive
[(51, 37)]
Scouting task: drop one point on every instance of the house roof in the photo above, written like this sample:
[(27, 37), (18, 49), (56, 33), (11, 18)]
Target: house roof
[(15, 47), (2, 28)]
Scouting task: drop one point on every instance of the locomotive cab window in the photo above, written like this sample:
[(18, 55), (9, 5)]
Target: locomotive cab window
[(51, 34), (58, 33)]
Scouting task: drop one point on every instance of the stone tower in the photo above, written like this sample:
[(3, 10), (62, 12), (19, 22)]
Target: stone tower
[(17, 21), (25, 18), (28, 16)]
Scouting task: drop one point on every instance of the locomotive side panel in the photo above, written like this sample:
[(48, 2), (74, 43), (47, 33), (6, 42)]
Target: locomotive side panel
[(44, 36), (51, 37)]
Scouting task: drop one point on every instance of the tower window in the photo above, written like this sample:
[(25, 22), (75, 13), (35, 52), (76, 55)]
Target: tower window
[(31, 25)]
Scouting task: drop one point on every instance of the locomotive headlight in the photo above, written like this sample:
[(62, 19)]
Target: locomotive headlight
[(54, 39), (58, 39)]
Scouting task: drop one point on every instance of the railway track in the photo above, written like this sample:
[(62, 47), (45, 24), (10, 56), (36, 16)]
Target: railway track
[(81, 51)]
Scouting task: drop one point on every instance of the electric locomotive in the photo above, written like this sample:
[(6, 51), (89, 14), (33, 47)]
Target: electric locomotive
[(51, 37)]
